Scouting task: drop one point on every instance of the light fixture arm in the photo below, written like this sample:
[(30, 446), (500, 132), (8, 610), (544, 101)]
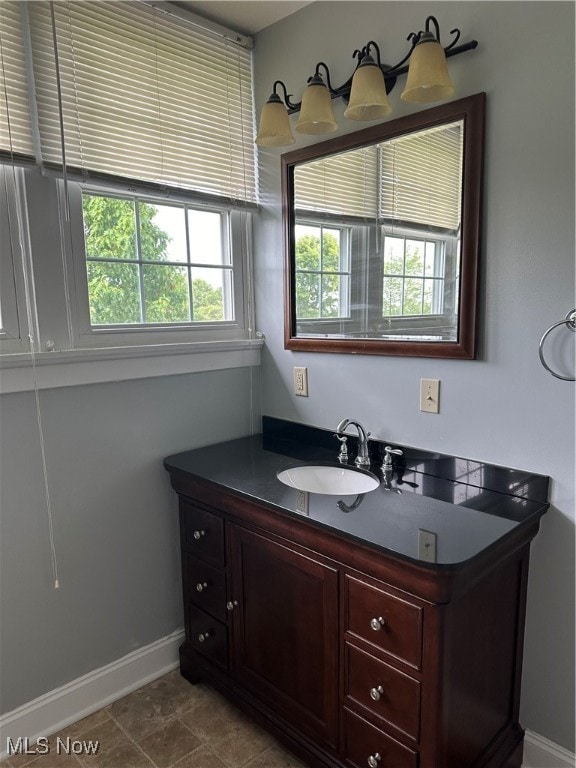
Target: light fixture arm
[(390, 73)]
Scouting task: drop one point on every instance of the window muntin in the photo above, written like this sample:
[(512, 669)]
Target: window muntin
[(323, 273), (151, 263)]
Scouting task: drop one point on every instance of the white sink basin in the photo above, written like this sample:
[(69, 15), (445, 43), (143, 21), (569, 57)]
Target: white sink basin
[(336, 481)]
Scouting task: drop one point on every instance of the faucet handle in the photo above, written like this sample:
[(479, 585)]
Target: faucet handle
[(343, 455), (388, 450)]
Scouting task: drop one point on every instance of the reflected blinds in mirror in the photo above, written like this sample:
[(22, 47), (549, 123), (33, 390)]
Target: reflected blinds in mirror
[(342, 185), (413, 180), (422, 178)]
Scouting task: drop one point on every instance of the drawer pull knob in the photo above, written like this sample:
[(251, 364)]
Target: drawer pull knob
[(198, 534), (377, 624), (203, 637), (201, 586), (231, 604), (374, 759), (375, 693)]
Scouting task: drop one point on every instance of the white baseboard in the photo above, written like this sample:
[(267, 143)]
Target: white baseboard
[(542, 753), (57, 709)]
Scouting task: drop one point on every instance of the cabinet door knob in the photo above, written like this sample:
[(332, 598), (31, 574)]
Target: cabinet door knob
[(201, 586), (375, 693), (231, 604), (377, 624), (198, 534), (374, 759), (203, 637)]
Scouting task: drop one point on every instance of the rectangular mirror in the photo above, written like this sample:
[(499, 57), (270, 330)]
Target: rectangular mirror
[(381, 230)]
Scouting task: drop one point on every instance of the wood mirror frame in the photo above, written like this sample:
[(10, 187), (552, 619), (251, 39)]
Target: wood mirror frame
[(471, 111)]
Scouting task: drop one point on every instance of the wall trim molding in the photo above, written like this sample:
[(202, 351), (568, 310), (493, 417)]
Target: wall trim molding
[(542, 753), (63, 706)]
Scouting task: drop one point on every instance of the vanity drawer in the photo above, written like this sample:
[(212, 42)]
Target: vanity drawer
[(389, 694), (366, 745), (205, 587), (207, 635), (202, 533), (392, 624)]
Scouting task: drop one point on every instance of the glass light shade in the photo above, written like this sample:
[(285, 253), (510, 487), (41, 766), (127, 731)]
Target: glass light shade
[(274, 129), (368, 97), (428, 79), (316, 115)]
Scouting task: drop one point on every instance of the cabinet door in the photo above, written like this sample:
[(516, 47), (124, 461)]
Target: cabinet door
[(285, 631)]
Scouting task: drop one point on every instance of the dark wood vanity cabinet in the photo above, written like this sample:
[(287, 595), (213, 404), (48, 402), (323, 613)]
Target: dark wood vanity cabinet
[(349, 655)]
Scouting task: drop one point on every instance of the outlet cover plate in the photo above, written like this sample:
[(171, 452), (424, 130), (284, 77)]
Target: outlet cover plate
[(301, 381)]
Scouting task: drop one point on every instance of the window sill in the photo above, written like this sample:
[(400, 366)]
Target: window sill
[(96, 366)]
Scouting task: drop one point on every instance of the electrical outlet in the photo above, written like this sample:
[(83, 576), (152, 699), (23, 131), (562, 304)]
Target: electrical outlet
[(430, 395), (302, 501), (301, 382), (426, 546)]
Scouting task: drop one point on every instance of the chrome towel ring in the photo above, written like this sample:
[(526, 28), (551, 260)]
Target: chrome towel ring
[(570, 323)]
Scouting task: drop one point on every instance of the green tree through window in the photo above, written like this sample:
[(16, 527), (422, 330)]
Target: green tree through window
[(318, 273), (129, 280)]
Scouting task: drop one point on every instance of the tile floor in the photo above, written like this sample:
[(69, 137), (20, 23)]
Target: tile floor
[(167, 724)]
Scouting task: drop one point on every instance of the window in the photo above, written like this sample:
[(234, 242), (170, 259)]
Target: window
[(322, 272), (137, 229), (151, 271), (414, 276), (150, 263)]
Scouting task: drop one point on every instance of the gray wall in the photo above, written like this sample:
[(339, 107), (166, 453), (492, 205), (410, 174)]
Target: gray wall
[(115, 519), (503, 407)]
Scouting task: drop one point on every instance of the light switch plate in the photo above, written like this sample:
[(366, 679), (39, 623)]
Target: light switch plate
[(430, 395)]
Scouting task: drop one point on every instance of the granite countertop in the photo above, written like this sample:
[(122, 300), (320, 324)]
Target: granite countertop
[(468, 514)]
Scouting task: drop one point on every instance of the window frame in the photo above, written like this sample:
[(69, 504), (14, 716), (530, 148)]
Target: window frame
[(87, 335), (345, 247), (450, 244), (14, 324)]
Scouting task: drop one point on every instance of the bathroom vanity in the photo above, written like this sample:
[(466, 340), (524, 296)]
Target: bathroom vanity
[(382, 630)]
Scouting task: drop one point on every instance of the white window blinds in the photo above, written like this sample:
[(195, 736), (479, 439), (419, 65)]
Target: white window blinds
[(144, 96), (15, 120)]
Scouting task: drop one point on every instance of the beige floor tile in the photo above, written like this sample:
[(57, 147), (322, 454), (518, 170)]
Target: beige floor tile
[(169, 744), (109, 737), (213, 717), (275, 757), (124, 755), (149, 708), (19, 761), (53, 759), (50, 760), (79, 728), (166, 724), (240, 744), (203, 757)]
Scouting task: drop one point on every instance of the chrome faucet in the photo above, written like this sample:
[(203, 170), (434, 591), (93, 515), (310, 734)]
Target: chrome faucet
[(362, 459)]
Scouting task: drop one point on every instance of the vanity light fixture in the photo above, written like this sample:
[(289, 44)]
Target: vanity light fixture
[(366, 91)]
